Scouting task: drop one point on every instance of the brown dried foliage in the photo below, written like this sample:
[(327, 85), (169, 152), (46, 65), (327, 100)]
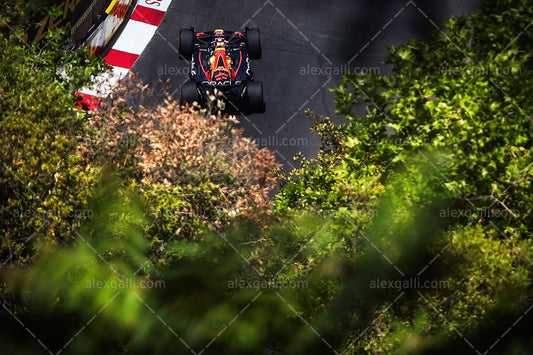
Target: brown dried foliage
[(152, 140)]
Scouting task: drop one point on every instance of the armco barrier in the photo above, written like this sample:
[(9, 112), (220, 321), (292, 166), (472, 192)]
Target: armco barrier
[(87, 19), (114, 16)]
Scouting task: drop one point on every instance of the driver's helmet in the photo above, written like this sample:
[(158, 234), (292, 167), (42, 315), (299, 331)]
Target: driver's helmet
[(219, 43), (219, 39)]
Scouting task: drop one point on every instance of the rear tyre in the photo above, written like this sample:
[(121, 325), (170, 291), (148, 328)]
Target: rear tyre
[(253, 43), (189, 93), (186, 43), (254, 93)]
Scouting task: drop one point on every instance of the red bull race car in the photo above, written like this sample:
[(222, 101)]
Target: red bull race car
[(221, 60)]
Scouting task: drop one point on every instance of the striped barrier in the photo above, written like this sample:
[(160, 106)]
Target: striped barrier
[(136, 35), (113, 17), (84, 21)]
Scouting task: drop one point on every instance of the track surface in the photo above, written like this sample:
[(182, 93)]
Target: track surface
[(306, 47)]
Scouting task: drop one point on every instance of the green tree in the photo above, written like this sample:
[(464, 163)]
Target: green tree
[(433, 184), (466, 91), (42, 186)]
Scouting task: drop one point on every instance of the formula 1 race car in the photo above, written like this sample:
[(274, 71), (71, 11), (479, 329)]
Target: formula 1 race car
[(221, 60)]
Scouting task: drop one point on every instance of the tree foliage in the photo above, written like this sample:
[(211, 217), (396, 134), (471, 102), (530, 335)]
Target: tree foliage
[(195, 168), (464, 91), (43, 188), (432, 185)]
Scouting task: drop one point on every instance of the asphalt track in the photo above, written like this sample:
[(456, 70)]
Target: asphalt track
[(307, 45)]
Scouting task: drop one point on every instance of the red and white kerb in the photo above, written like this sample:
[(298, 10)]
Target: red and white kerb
[(136, 35)]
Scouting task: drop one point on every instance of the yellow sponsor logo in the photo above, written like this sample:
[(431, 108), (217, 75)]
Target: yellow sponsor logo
[(49, 23)]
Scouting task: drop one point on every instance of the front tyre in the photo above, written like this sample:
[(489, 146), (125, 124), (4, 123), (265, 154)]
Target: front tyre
[(186, 43), (253, 43), (254, 94)]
